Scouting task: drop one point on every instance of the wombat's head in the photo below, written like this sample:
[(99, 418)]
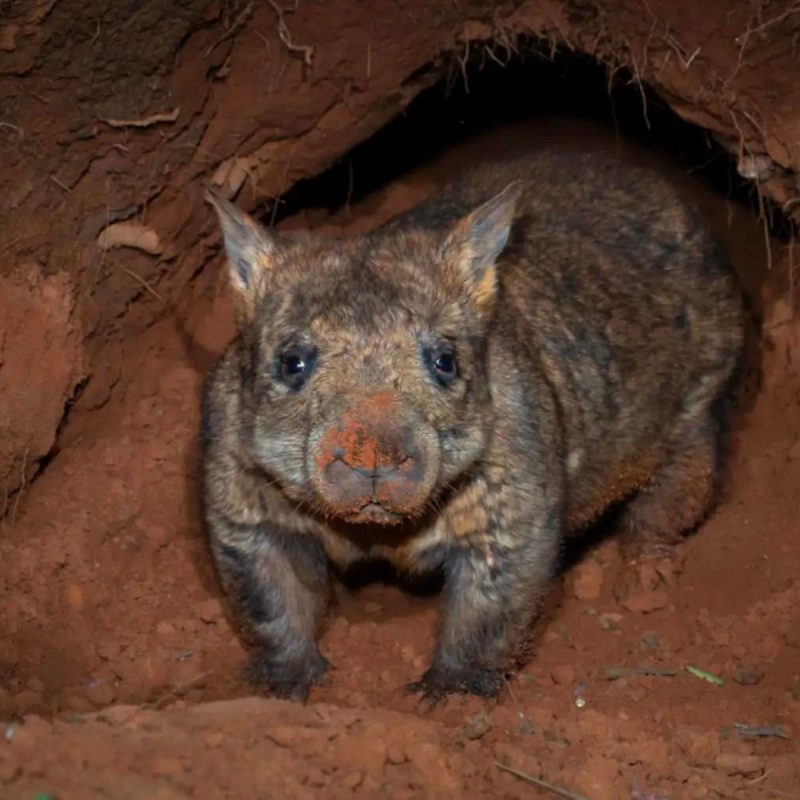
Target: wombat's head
[(364, 383)]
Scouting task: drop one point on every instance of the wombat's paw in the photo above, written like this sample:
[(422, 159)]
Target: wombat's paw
[(647, 565), (641, 549), (438, 682), (291, 680)]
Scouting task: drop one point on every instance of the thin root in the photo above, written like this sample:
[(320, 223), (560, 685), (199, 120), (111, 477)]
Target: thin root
[(305, 51), (233, 28), (540, 783), (144, 283), (144, 122)]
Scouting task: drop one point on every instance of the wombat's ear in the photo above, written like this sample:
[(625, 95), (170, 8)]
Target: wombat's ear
[(476, 241), (250, 248)]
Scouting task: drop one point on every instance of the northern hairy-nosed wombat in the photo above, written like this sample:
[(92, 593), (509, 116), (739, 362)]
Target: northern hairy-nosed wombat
[(460, 389)]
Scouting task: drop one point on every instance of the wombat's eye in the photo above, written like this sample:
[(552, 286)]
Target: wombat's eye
[(296, 365), (443, 364)]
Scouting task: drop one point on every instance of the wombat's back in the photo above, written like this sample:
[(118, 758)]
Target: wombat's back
[(616, 290)]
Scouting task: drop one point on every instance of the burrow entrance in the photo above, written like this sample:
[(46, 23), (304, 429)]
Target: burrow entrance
[(109, 596)]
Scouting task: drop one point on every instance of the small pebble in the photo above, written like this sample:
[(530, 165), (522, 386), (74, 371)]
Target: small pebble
[(563, 674), (526, 724), (739, 763), (408, 654), (395, 754), (358, 699), (588, 581), (209, 610), (75, 596), (158, 534), (650, 640), (75, 702), (101, 694), (477, 727), (9, 770), (165, 631), (610, 621), (747, 674), (27, 701), (645, 602), (353, 780), (167, 767)]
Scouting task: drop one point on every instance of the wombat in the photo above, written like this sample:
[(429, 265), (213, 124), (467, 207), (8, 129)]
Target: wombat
[(458, 390)]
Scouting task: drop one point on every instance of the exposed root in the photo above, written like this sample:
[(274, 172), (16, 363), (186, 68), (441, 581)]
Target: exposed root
[(144, 283), (23, 482), (305, 51), (235, 25), (20, 133), (144, 122), (638, 81), (557, 790), (129, 234), (282, 188), (60, 184), (743, 40)]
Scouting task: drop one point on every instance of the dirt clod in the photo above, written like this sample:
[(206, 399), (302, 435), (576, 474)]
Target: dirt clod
[(645, 602), (588, 580), (739, 764), (597, 778), (101, 694), (563, 674), (478, 726), (700, 747), (748, 674), (209, 610)]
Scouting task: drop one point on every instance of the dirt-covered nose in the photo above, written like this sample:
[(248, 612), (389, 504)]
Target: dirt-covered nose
[(368, 456)]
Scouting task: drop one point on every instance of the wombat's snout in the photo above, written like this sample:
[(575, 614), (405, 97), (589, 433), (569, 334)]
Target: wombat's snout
[(370, 463)]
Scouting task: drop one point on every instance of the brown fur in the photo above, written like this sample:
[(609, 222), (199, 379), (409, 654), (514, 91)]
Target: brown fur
[(595, 329)]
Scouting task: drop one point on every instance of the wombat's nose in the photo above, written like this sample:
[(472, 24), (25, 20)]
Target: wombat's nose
[(354, 487), (369, 458)]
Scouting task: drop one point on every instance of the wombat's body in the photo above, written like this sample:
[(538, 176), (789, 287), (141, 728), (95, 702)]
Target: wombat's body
[(460, 389)]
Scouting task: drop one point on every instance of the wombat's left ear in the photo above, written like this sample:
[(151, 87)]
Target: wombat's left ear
[(476, 241), (250, 249)]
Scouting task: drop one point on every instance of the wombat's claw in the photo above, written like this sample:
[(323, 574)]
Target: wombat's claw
[(437, 683), (289, 681), (659, 551), (429, 695)]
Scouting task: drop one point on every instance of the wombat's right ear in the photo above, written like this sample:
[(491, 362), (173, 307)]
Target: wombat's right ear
[(250, 248), (477, 240)]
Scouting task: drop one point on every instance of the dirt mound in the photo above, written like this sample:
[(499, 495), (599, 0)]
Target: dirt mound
[(238, 748), (41, 365)]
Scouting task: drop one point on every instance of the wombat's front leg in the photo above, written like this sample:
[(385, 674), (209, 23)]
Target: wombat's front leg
[(279, 583), (495, 580)]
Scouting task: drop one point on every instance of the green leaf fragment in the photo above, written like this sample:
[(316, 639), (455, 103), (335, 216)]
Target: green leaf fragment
[(703, 675)]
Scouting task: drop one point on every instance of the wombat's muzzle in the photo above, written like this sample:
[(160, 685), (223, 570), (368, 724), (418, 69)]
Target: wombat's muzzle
[(370, 464)]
